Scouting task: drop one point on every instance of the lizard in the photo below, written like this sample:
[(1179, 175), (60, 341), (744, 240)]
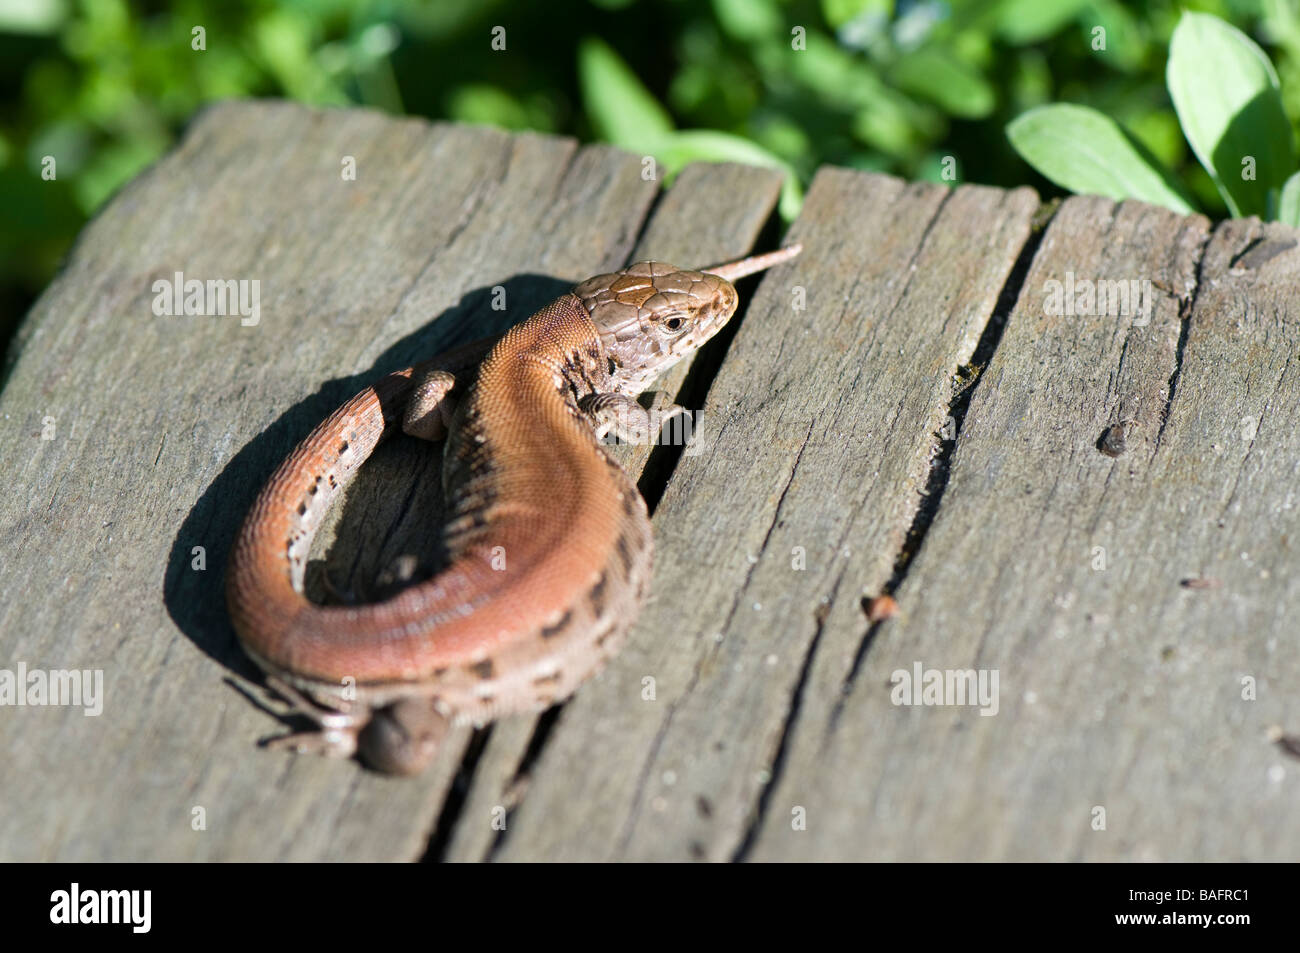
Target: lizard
[(549, 541)]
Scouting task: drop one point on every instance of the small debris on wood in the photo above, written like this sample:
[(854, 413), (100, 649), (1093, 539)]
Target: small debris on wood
[(966, 377), (1114, 439), (881, 608), (1288, 743), (1044, 214), (1200, 582), (515, 791)]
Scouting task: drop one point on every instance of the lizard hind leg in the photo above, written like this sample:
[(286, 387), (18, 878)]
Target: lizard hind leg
[(403, 737)]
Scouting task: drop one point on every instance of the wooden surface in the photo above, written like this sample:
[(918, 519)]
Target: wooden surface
[(847, 449)]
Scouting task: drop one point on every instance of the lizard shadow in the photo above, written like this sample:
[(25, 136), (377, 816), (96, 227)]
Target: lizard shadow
[(194, 578)]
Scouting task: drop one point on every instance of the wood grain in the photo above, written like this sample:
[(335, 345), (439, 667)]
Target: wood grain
[(1121, 690), (167, 426), (711, 214), (820, 424), (1139, 609)]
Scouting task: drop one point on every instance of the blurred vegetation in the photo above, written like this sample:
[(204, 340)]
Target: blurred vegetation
[(1228, 99), (105, 86)]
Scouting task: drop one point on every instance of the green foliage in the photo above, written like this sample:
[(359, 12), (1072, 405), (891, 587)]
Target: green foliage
[(624, 112), (1085, 151), (903, 86), (1229, 104)]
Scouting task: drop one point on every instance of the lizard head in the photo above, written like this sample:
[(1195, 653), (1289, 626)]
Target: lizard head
[(652, 314)]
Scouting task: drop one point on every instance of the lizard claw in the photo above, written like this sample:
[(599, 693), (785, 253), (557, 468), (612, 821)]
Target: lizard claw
[(332, 743), (336, 730)]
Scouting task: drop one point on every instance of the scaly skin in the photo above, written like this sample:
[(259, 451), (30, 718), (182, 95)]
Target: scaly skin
[(549, 540)]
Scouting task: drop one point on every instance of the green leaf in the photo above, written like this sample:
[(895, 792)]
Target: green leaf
[(32, 16), (1125, 43), (1288, 209), (748, 20), (945, 81), (1028, 21), (884, 119), (621, 109), (1085, 151), (283, 40), (1226, 94), (839, 13), (679, 149), (487, 104), (835, 77)]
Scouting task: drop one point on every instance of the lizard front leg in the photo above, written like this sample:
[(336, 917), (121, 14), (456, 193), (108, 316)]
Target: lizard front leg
[(624, 417)]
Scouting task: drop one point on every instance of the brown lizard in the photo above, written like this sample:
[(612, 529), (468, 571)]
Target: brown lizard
[(549, 541)]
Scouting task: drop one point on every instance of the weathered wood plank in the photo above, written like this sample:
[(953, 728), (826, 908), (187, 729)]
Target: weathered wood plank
[(1060, 568), (166, 427), (711, 213), (827, 473), (821, 426)]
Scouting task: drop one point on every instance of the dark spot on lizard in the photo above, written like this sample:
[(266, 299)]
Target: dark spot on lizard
[(611, 629), (597, 596), (624, 554), (483, 669), (343, 448), (553, 630)]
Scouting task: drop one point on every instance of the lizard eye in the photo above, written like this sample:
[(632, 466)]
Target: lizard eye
[(674, 323)]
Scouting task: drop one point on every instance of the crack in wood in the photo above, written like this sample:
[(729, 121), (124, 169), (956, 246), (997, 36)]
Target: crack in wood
[(941, 460), (541, 734), (689, 690), (664, 458), (1186, 306), (457, 793), (659, 467), (777, 769)]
